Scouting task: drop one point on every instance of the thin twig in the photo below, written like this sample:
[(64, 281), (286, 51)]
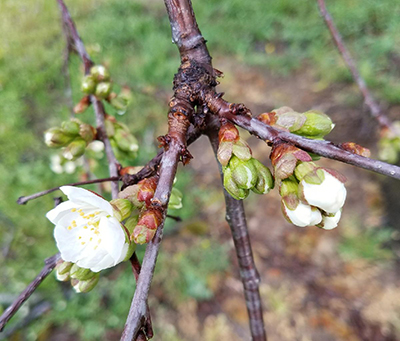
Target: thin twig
[(323, 148), (50, 264), (25, 199), (235, 216), (98, 106), (373, 106)]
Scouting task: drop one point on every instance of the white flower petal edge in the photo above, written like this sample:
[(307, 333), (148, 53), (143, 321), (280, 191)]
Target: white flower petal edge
[(329, 223), (329, 196), (86, 231), (303, 215)]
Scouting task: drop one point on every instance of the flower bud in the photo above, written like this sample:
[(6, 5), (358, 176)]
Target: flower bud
[(131, 193), (131, 223), (87, 132), (242, 150), (56, 138), (147, 188), (88, 85), (305, 168), (81, 274), (64, 267), (100, 73), (122, 208), (243, 173), (70, 128), (291, 121), (228, 133), (82, 105), (302, 215), (232, 188), (330, 221), (224, 152), (317, 125), (109, 126), (175, 200), (147, 226), (265, 181), (120, 103), (75, 149), (63, 278), (103, 90), (81, 286), (125, 141)]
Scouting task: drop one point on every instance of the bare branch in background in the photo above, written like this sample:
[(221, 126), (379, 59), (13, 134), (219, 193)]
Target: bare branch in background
[(236, 218), (50, 264), (373, 106)]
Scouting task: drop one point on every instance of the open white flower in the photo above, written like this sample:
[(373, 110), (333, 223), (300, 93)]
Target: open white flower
[(86, 232), (329, 195), (330, 221), (302, 215)]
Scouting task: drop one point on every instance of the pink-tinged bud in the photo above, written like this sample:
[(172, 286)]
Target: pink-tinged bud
[(147, 188), (147, 226), (228, 133), (284, 158), (356, 149), (87, 132), (82, 105), (224, 152), (268, 118)]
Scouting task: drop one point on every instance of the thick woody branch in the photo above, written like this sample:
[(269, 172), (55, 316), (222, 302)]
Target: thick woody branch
[(239, 115), (50, 264), (374, 108), (175, 149), (235, 216), (98, 106)]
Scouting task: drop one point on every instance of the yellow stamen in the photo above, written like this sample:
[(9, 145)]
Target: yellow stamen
[(73, 210), (80, 210), (90, 239), (69, 228), (81, 214), (85, 227), (99, 241), (91, 215), (83, 243)]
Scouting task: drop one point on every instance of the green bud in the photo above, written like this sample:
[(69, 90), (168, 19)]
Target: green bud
[(317, 125), (110, 130), (288, 187), (122, 208), (304, 168), (175, 200), (131, 193), (64, 268), (120, 103), (243, 173), (100, 73), (85, 286), (103, 90), (231, 186), (265, 181), (87, 132), (88, 85), (126, 141), (56, 138), (291, 120), (81, 274), (131, 223), (63, 278), (242, 150), (70, 128), (75, 149)]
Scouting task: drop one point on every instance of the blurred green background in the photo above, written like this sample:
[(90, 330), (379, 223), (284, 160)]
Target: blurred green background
[(273, 53)]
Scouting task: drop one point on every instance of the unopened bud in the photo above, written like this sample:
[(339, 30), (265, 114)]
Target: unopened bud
[(100, 73), (82, 105), (85, 286), (87, 132), (228, 133), (232, 188), (75, 149), (88, 85), (175, 200), (131, 223), (317, 125), (242, 150), (56, 138), (265, 181), (64, 267), (70, 128), (126, 141), (122, 208), (79, 273), (120, 103), (291, 121), (147, 226), (330, 221), (243, 173), (103, 90)]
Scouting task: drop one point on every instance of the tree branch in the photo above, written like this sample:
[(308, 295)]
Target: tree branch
[(235, 216), (25, 199), (50, 264), (374, 108), (241, 116), (98, 106)]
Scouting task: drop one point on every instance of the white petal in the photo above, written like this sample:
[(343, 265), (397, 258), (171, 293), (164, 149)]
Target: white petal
[(60, 211), (105, 263), (301, 216), (113, 237), (68, 243), (85, 197), (329, 223), (316, 216)]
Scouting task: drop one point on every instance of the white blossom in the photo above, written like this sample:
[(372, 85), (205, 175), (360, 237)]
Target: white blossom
[(86, 231), (302, 215), (331, 221), (329, 196)]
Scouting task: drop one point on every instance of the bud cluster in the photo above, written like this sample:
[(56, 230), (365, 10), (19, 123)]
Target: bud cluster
[(82, 280), (242, 172), (311, 195), (389, 143), (312, 124), (124, 143), (143, 220), (97, 82), (73, 136)]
